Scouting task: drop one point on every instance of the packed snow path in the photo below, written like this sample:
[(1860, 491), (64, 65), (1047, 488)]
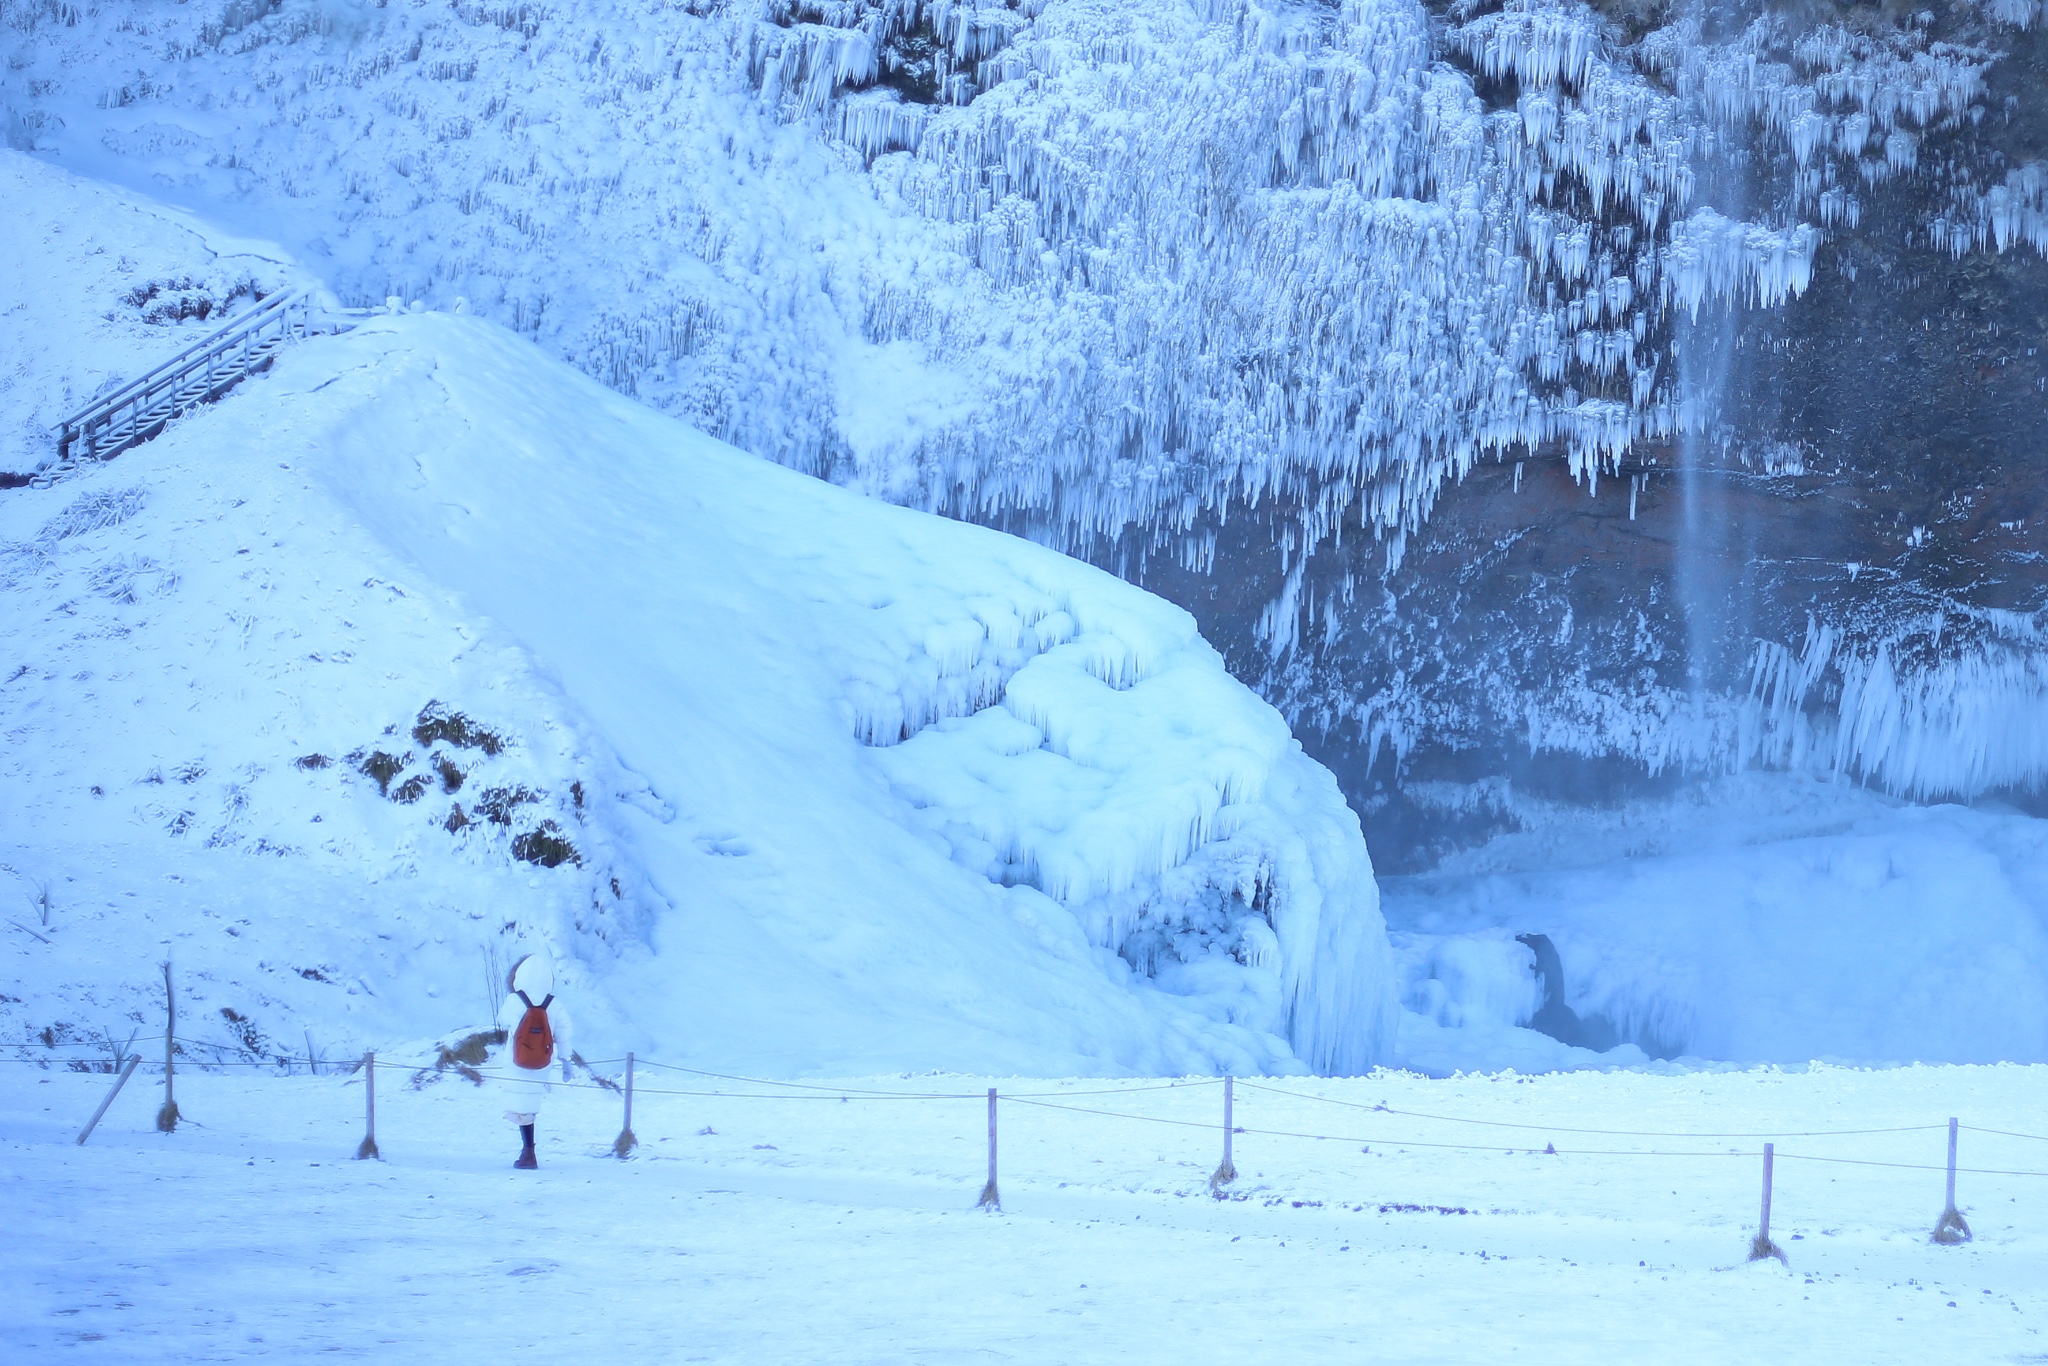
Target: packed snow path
[(755, 1230)]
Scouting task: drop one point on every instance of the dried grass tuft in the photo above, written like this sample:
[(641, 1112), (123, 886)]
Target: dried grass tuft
[(1953, 1228)]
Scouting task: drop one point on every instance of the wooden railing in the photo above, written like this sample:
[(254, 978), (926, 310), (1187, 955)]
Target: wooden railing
[(201, 373)]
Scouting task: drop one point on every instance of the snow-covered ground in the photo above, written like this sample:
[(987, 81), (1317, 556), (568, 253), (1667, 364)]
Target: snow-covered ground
[(820, 1230), (98, 285)]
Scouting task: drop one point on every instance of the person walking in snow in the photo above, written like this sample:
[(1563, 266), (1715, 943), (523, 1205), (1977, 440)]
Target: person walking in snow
[(538, 1029)]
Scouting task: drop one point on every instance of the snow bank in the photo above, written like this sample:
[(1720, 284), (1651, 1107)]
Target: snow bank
[(451, 650)]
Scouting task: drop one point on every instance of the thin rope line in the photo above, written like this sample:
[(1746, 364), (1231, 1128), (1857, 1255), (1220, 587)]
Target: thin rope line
[(797, 1085), (1116, 1090), (2003, 1133), (1383, 1142), (731, 1095), (947, 1095), (1610, 1133), (336, 1065), (1556, 1152), (1481, 1148), (33, 1053), (1589, 1152), (1906, 1166), (1083, 1110), (1263, 1133)]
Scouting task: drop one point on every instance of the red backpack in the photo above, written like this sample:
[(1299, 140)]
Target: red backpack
[(533, 1043)]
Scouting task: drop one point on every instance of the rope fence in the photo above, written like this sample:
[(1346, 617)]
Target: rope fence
[(119, 1059), (1604, 1133)]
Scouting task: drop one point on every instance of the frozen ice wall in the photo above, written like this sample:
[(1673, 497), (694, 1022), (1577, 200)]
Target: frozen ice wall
[(1117, 261), (1951, 705)]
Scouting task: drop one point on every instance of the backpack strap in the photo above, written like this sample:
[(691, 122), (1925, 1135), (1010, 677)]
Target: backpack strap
[(525, 1001)]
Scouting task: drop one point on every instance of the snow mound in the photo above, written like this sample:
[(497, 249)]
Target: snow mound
[(454, 651), (1057, 732)]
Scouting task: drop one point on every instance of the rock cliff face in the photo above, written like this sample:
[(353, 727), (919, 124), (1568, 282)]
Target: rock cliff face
[(1541, 633), (1840, 565)]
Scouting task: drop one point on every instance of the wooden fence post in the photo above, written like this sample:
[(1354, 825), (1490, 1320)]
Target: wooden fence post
[(1762, 1246), (167, 1117), (989, 1198), (121, 1081), (626, 1141), (368, 1147), (1953, 1228), (1227, 1172)]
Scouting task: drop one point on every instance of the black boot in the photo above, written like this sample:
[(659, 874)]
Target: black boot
[(526, 1162)]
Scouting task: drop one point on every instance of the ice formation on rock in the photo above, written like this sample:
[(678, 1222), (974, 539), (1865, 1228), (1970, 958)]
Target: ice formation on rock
[(1903, 712), (1086, 267), (785, 769), (1218, 250), (1715, 926)]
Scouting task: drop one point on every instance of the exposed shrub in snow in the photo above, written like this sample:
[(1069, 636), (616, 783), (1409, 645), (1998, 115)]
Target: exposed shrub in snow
[(163, 302), (438, 724), (382, 767), (546, 847), (120, 578), (496, 804)]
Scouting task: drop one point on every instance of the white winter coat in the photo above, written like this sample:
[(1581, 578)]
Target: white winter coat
[(534, 975)]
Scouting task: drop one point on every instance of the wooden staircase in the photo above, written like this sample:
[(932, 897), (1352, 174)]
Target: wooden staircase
[(201, 373)]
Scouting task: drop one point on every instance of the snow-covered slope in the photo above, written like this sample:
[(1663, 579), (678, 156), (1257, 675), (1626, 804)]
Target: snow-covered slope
[(98, 285), (1147, 265), (425, 648)]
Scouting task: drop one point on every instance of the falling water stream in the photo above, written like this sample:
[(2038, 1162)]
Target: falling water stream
[(1709, 575)]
